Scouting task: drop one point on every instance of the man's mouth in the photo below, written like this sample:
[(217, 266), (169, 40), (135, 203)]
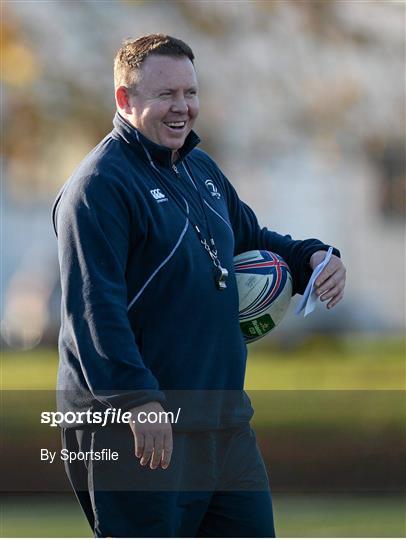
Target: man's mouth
[(176, 126)]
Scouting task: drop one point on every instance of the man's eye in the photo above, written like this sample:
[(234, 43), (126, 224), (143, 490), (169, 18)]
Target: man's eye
[(164, 94), (192, 92)]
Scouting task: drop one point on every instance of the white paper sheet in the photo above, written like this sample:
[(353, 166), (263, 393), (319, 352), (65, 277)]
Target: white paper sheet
[(309, 299)]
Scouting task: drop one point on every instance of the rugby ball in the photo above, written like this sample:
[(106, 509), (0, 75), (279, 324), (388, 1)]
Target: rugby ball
[(264, 286)]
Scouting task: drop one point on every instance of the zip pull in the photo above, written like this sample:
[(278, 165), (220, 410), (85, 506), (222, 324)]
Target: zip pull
[(175, 170)]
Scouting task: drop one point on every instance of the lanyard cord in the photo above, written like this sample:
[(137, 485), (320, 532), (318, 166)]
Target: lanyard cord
[(211, 249), (221, 273), (201, 200)]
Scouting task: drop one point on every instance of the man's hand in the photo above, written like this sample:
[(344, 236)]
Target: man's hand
[(153, 441), (331, 282)]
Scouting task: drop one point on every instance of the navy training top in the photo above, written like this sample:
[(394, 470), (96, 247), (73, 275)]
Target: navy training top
[(142, 318)]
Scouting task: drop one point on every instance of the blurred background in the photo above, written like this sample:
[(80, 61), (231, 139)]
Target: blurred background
[(303, 108)]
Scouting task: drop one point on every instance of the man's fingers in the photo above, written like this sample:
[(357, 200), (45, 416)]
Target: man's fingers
[(323, 277), (168, 448), (328, 294), (332, 267), (148, 449), (153, 443), (336, 279), (331, 282), (327, 286), (139, 444), (336, 269), (158, 447), (335, 300)]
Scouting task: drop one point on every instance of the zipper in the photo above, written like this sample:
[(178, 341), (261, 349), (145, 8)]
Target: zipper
[(175, 170)]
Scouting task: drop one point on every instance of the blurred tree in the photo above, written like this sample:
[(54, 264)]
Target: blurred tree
[(19, 65)]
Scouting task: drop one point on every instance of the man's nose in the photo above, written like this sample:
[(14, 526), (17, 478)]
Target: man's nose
[(179, 104)]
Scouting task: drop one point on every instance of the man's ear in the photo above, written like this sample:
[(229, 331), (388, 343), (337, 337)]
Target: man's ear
[(123, 99)]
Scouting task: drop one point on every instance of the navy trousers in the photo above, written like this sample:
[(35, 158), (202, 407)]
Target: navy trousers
[(216, 486)]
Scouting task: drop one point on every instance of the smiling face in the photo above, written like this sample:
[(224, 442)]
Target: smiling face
[(165, 104)]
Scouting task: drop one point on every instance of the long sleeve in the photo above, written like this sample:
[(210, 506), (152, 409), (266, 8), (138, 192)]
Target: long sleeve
[(249, 235), (92, 221)]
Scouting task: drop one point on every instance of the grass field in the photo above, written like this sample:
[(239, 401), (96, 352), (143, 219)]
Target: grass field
[(295, 515), (354, 363)]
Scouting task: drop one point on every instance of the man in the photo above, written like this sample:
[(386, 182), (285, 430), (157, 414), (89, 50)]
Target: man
[(150, 313)]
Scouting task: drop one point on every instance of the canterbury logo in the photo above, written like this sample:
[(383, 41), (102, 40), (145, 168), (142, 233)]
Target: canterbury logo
[(158, 195), (211, 186)]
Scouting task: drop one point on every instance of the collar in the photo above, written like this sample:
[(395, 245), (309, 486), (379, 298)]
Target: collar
[(146, 148)]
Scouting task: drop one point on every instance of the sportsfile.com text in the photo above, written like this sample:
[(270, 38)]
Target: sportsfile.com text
[(108, 416)]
